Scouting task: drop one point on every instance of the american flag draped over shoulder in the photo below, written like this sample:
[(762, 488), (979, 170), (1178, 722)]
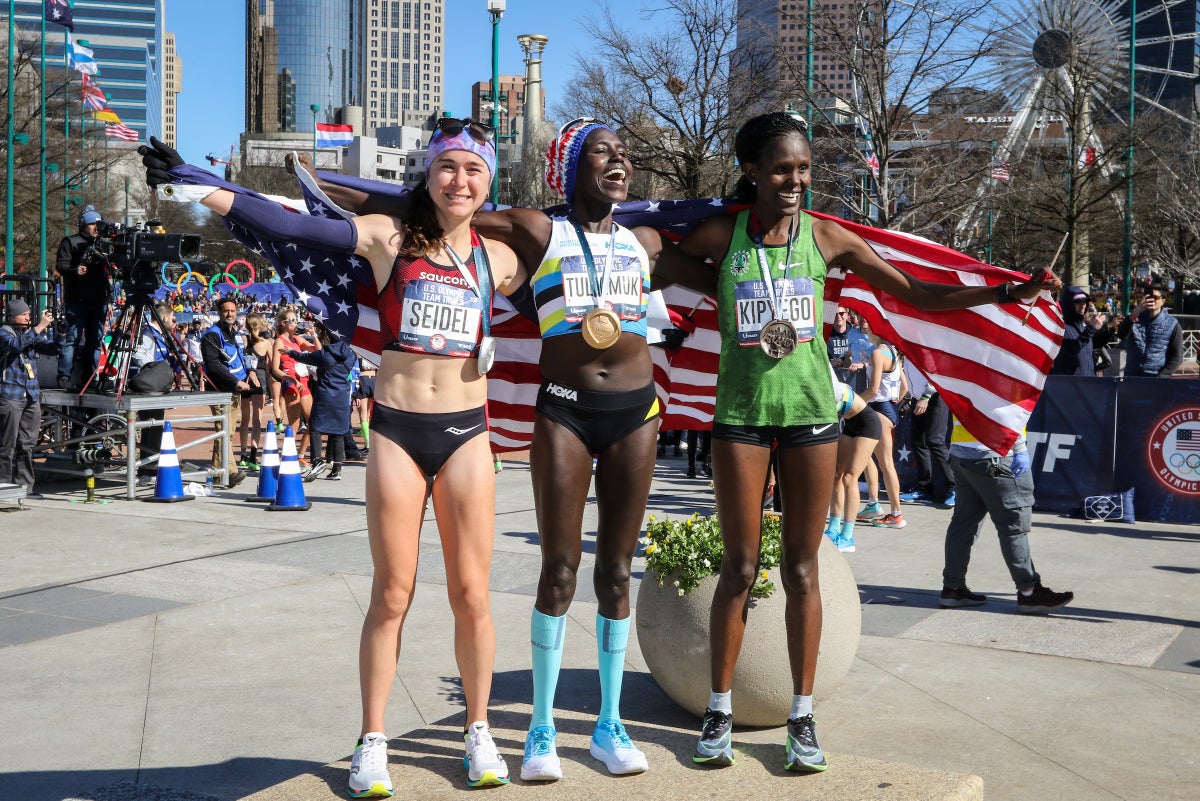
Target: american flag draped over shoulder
[(989, 363)]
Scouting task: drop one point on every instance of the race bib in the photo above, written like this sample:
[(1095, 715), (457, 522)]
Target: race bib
[(622, 293), (439, 318), (796, 302)]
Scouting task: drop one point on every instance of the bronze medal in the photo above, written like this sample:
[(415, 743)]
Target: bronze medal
[(778, 339), (601, 328)]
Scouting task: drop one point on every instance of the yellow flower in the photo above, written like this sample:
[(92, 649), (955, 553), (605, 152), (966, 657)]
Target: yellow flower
[(763, 575), (651, 548)]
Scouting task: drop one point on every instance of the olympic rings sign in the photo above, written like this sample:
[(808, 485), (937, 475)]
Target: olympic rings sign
[(1174, 450), (229, 277)]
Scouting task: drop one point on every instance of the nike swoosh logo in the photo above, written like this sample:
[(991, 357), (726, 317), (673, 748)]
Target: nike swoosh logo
[(458, 432), (821, 429)]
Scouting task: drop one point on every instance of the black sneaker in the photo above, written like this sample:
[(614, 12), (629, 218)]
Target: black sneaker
[(803, 752), (1042, 600), (953, 597), (335, 474), (716, 740)]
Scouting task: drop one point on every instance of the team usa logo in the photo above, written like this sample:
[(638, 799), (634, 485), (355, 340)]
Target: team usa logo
[(1174, 451), (437, 342)]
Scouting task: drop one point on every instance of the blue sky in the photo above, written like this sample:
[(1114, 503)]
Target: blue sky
[(210, 39)]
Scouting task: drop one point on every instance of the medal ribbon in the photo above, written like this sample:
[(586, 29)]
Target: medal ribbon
[(752, 228), (597, 289), (485, 270)]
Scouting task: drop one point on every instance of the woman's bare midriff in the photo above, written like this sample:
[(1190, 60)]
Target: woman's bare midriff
[(427, 384), (570, 361)]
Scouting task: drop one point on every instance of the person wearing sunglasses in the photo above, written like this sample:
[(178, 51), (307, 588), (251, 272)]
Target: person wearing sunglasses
[(435, 277), (1155, 338), (775, 390)]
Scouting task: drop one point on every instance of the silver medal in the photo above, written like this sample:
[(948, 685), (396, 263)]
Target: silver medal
[(487, 355)]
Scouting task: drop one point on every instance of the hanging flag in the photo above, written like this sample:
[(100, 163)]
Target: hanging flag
[(1000, 171), (329, 135), (873, 163), (80, 58), (107, 115), (60, 13), (990, 362), (122, 132), (93, 95), (1087, 156)]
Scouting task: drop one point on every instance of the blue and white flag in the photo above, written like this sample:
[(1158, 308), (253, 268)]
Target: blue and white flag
[(80, 58)]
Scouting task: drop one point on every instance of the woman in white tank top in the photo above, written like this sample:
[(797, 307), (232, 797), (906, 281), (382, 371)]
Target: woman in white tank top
[(886, 384)]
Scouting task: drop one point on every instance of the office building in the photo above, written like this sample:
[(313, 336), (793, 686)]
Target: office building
[(512, 103), (172, 85), (402, 62), (127, 39), (301, 54)]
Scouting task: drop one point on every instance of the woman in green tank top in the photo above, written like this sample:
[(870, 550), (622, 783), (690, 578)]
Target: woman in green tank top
[(775, 391)]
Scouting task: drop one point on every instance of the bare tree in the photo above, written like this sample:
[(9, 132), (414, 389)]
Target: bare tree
[(883, 65), (667, 88), (1167, 227)]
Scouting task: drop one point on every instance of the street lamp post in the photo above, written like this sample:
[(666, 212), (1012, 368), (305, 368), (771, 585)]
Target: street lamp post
[(1128, 266), (315, 107), (496, 9)]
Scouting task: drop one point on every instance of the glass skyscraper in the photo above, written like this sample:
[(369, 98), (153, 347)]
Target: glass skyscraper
[(301, 53), (127, 39)]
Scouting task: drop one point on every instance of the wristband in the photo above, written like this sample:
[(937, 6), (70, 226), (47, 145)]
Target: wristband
[(1002, 296)]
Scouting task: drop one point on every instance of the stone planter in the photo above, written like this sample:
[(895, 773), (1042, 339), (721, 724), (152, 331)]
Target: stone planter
[(673, 633)]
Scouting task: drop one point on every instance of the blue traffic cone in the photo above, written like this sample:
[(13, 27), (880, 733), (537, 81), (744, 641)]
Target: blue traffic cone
[(268, 474), (289, 497), (168, 483)]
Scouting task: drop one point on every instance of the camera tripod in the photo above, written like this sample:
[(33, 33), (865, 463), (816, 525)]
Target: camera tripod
[(123, 343)]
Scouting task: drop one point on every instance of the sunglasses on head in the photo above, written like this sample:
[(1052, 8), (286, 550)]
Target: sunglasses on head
[(450, 127)]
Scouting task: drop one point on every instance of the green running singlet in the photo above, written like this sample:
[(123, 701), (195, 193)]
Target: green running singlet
[(752, 388)]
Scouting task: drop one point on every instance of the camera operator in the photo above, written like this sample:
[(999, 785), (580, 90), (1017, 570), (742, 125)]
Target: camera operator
[(20, 396), (86, 291)]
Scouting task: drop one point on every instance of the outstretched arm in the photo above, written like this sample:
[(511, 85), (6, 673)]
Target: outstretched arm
[(849, 249)]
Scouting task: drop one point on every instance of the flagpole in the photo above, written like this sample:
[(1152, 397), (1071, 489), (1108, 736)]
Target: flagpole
[(105, 165), (991, 196), (42, 153), (67, 45), (10, 134)]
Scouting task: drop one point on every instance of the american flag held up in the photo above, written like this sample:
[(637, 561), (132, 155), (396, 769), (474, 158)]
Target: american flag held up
[(990, 362)]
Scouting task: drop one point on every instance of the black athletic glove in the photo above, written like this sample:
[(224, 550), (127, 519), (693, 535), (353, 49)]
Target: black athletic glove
[(158, 159)]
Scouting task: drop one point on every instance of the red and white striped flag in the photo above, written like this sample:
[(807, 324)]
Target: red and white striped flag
[(121, 131)]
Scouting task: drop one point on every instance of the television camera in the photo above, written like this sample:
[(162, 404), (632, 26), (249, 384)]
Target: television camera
[(133, 253)]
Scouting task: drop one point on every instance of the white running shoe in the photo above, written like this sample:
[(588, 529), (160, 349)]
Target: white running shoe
[(483, 762), (368, 767), (540, 763), (612, 746)]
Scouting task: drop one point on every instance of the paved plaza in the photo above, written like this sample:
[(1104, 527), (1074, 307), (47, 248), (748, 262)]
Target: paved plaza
[(207, 650)]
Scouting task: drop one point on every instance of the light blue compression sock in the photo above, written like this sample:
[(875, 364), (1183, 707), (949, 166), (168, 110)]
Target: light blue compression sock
[(546, 635), (611, 638), (848, 529), (835, 524)]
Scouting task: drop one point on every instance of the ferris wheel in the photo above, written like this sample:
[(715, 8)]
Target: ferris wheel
[(1052, 52)]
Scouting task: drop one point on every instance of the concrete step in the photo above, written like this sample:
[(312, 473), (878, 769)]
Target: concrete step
[(427, 764)]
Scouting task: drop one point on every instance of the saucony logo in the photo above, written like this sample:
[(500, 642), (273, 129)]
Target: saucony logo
[(458, 432)]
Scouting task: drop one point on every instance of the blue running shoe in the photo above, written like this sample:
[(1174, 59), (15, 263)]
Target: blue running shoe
[(612, 746), (833, 535), (844, 544), (870, 512), (916, 496), (716, 739), (949, 499), (803, 752), (540, 763)]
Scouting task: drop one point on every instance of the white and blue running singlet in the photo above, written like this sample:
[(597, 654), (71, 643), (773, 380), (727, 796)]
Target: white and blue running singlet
[(563, 290)]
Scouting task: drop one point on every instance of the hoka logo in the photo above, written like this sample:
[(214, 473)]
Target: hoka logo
[(566, 393)]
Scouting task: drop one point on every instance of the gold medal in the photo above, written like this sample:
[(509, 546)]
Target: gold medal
[(601, 328), (778, 339)]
